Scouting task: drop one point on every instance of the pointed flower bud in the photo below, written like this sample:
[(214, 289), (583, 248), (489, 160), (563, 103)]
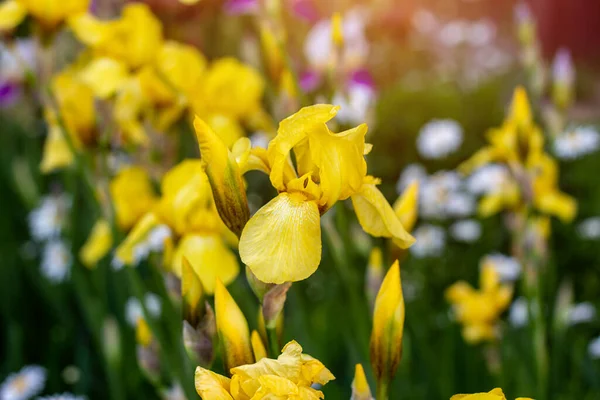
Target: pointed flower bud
[(360, 386), (198, 342), (225, 178), (273, 303), (406, 207), (259, 287), (388, 327), (192, 293), (258, 347), (337, 29), (97, 245), (232, 329)]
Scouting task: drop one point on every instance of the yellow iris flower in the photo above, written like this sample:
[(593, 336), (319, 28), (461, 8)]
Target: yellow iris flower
[(49, 14), (282, 241), (519, 144), (290, 376), (494, 394), (75, 102), (132, 194), (187, 207), (478, 310)]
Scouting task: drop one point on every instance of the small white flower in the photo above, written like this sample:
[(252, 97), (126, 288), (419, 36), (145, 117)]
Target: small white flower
[(411, 173), (594, 348), (424, 21), (133, 311), (355, 107), (16, 59), (153, 304), (24, 384), (590, 228), (460, 205), (481, 33), (439, 138), (63, 396), (468, 230), (508, 268), (260, 139), (47, 220), (430, 241), (441, 196), (577, 143), (580, 313), (488, 179), (56, 260), (175, 392), (156, 238), (454, 33), (519, 313)]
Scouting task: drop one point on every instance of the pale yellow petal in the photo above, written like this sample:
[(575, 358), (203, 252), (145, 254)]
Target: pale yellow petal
[(282, 241), (377, 217), (209, 256), (57, 153), (211, 386), (97, 245), (406, 206), (258, 347), (104, 76)]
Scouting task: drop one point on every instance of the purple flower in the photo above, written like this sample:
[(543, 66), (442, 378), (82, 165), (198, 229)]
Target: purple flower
[(362, 77), (9, 93), (309, 80), (306, 10)]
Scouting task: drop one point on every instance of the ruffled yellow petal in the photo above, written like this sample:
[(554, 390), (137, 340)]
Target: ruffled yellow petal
[(282, 241), (90, 30), (377, 217), (104, 76), (12, 12), (211, 386), (226, 128), (144, 35), (57, 153), (97, 245), (209, 256), (557, 203), (406, 206)]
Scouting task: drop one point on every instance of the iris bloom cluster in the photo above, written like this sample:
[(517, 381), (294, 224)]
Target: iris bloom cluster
[(282, 240)]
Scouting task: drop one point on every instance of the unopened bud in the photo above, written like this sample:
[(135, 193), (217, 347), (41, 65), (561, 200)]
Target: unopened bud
[(258, 346), (198, 342), (563, 79), (225, 178), (149, 361), (192, 293), (273, 303), (360, 386), (259, 287)]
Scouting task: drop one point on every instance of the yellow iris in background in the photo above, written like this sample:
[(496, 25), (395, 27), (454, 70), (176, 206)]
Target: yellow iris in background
[(49, 14)]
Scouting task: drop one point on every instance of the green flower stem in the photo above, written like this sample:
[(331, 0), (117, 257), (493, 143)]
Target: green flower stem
[(273, 340), (382, 390)]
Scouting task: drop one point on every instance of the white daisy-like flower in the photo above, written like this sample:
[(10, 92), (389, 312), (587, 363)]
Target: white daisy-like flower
[(411, 173), (581, 313), (467, 231), (156, 237), (62, 396), (56, 260), (356, 105), (46, 221), (594, 348), (133, 311), (519, 313), (24, 384), (454, 33), (481, 33), (589, 228), (441, 196), (508, 268), (488, 179), (577, 143), (439, 138), (153, 304), (430, 241)]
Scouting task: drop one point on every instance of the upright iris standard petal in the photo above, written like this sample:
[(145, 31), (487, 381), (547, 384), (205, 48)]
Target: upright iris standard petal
[(209, 256), (377, 217), (225, 178), (407, 207), (291, 132), (282, 241), (341, 162)]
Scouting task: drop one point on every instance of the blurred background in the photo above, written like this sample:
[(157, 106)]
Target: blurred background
[(449, 60)]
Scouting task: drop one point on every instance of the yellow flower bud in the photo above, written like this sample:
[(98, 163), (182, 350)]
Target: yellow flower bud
[(191, 292), (258, 347), (225, 178), (407, 206), (337, 30), (97, 245), (232, 329), (388, 327), (520, 110), (360, 386)]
